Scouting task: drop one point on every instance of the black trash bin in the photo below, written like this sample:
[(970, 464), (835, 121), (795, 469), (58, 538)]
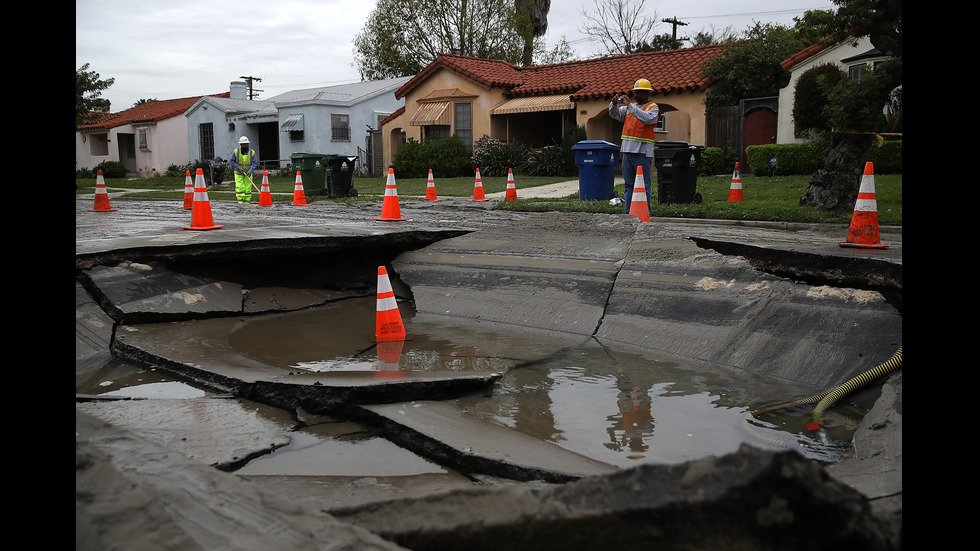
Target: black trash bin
[(340, 175), (311, 170), (597, 160), (677, 171)]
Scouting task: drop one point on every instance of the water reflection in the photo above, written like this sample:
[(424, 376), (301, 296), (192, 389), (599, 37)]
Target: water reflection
[(633, 424), (615, 406)]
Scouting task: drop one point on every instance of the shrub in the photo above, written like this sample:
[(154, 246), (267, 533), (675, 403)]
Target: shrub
[(111, 169), (550, 161), (494, 158), (807, 158), (446, 157), (718, 160), (801, 158), (176, 170)]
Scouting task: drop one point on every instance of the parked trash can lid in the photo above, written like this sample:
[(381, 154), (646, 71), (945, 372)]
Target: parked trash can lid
[(595, 144)]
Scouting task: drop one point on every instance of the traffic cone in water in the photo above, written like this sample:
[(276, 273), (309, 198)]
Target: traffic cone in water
[(638, 202), (430, 188), (299, 195), (863, 232), (390, 209), (201, 213), (735, 192), (388, 326), (511, 194), (478, 189), (265, 195), (188, 191), (101, 195)]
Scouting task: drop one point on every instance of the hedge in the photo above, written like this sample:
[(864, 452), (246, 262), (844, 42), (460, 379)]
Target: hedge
[(807, 158)]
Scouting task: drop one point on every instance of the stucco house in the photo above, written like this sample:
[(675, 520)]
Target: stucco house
[(851, 56), (146, 139), (473, 97), (333, 120)]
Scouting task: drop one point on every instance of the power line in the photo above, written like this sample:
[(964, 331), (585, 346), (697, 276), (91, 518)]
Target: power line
[(747, 14)]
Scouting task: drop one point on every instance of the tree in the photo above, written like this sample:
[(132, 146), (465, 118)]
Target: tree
[(401, 37), (88, 88), (620, 25), (855, 110), (751, 67), (531, 19)]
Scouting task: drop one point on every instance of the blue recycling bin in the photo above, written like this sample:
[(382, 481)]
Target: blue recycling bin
[(596, 161)]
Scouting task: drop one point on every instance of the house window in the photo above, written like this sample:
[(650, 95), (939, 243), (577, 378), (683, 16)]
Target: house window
[(854, 71), (296, 136), (340, 128), (205, 136), (143, 139), (661, 123), (463, 122), (434, 132)]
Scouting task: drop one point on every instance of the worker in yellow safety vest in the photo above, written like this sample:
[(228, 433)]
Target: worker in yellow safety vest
[(639, 119), (244, 160)]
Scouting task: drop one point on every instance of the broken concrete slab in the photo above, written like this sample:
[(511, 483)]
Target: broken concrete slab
[(138, 292), (135, 494), (475, 446), (751, 499), (218, 432)]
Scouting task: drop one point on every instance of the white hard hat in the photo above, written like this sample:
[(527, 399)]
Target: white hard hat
[(243, 139)]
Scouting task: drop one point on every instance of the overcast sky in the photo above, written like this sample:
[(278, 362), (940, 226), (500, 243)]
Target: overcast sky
[(180, 48)]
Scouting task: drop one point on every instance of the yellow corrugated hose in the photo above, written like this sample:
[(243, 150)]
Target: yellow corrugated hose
[(893, 364), (828, 398)]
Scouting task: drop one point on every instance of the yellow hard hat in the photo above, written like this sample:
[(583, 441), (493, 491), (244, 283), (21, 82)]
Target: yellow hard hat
[(643, 84)]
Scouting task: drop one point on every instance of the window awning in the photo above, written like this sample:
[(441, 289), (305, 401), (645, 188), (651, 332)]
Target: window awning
[(432, 113), (292, 122), (533, 104)]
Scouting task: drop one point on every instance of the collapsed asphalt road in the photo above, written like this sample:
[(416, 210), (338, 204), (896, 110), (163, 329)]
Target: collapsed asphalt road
[(663, 286)]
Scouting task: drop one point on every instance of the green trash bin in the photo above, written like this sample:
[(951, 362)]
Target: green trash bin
[(311, 170)]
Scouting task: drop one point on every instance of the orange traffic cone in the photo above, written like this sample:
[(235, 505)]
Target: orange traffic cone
[(101, 195), (390, 209), (388, 326), (638, 202), (735, 192), (265, 195), (430, 188), (511, 194), (864, 222), (478, 189), (299, 195), (188, 191), (201, 214)]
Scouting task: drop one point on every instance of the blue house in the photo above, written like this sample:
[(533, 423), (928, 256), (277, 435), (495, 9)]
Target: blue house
[(332, 120)]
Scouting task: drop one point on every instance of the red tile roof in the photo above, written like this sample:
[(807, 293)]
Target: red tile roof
[(808, 52), (150, 112), (668, 71)]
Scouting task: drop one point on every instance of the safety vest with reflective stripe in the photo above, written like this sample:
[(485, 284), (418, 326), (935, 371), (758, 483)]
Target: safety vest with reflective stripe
[(635, 130), (244, 161)]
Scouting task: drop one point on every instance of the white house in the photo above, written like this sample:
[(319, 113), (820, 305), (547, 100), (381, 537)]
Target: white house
[(333, 120), (850, 56), (146, 139)]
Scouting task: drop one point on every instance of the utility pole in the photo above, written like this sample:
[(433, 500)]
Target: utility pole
[(252, 93), (675, 23)]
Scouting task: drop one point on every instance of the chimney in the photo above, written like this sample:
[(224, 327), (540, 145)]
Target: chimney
[(238, 90)]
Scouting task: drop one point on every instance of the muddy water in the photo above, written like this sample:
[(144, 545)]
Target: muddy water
[(622, 407)]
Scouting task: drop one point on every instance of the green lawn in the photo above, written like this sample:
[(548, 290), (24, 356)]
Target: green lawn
[(765, 198)]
